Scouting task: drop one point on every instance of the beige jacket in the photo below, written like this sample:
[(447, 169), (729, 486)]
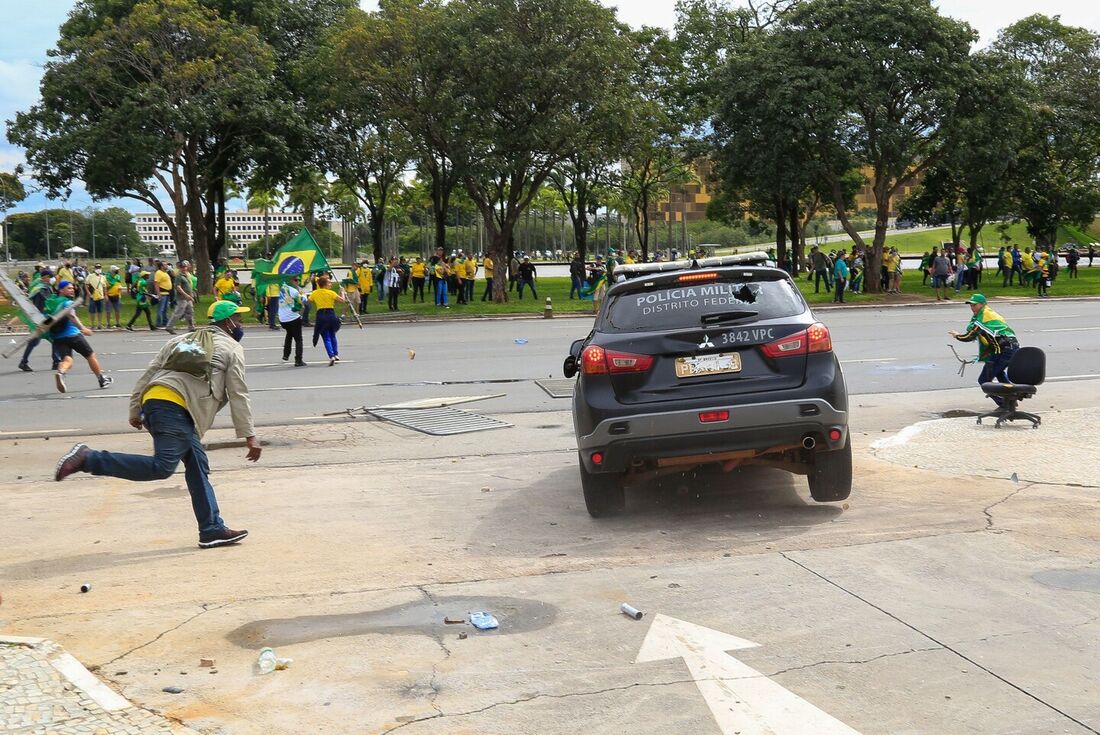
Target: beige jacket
[(204, 400)]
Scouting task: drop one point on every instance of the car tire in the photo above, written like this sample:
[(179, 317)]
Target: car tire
[(831, 474), (604, 494)]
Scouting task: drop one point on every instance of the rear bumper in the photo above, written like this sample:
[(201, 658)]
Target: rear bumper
[(628, 440)]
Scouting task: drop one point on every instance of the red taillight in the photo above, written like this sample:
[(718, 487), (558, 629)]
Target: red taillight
[(597, 458), (714, 417), (814, 339), (834, 435), (598, 361), (593, 361)]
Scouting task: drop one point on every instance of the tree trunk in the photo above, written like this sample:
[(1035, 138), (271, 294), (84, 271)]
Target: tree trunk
[(794, 234), (376, 225), (780, 229)]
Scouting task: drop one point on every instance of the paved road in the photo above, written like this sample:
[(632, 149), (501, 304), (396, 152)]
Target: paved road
[(901, 350)]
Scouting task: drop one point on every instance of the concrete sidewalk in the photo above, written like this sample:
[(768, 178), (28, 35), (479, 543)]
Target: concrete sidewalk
[(366, 535)]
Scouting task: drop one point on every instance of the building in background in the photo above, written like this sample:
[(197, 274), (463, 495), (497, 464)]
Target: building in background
[(243, 229)]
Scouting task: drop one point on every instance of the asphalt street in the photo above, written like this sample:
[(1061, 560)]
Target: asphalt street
[(883, 350)]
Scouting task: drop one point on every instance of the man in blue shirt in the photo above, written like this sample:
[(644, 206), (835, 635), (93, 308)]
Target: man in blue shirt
[(68, 336), (840, 277)]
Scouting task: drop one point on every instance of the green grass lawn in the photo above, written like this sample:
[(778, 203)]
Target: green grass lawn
[(1088, 284)]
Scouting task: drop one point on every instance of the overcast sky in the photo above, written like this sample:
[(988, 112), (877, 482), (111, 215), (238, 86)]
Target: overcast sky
[(28, 35)]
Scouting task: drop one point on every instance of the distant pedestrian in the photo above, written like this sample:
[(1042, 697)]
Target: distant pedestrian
[(161, 292), (95, 296), (114, 296), (820, 266), (527, 275), (40, 292), (185, 299), (326, 323), (576, 276), (488, 265), (142, 301), (513, 270), (418, 274), (290, 319), (1072, 258), (178, 408), (941, 270), (393, 283), (840, 278), (67, 335)]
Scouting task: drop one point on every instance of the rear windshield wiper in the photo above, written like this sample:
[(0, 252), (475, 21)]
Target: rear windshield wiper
[(727, 316)]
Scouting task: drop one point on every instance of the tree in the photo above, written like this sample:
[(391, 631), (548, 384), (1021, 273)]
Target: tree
[(357, 137), (307, 191), (1059, 163), (881, 83), (407, 58), (655, 157), (531, 73), (971, 184), (11, 189)]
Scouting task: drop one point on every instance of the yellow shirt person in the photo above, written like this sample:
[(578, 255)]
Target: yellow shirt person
[(487, 264), (366, 279), (224, 285), (323, 298), (418, 270)]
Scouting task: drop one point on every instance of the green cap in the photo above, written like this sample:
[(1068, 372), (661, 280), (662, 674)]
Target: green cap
[(220, 310), (232, 296), (977, 299)]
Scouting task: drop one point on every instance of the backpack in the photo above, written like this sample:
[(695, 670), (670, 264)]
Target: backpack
[(194, 354)]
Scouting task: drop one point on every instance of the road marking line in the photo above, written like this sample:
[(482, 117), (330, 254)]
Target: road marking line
[(1071, 329), (19, 433), (870, 359), (1025, 318), (1073, 377), (741, 699), (246, 349)]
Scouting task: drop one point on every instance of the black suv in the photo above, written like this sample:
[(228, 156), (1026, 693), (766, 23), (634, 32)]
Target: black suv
[(713, 361)]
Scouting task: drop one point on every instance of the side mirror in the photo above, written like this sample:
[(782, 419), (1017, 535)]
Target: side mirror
[(569, 367)]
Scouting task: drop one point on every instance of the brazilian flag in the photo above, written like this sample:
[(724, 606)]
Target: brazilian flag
[(297, 258)]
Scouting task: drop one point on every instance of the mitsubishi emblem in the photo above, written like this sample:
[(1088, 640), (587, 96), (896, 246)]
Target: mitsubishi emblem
[(706, 343)]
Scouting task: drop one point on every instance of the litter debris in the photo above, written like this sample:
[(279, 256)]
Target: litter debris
[(483, 621), (412, 354), (520, 341), (844, 507), (631, 612), (86, 587), (486, 489), (172, 690), (206, 663), (462, 636), (452, 621), (1015, 478), (268, 662)]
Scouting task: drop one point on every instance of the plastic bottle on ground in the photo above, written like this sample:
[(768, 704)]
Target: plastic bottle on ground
[(267, 661)]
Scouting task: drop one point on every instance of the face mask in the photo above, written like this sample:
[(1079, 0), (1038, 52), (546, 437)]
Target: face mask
[(98, 271), (238, 333)]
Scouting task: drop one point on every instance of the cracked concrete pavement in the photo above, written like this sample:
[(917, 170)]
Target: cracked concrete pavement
[(937, 599)]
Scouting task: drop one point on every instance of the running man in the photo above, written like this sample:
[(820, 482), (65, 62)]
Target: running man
[(178, 408), (68, 337)]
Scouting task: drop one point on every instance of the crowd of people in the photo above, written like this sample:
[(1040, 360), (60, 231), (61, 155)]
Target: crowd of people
[(842, 271)]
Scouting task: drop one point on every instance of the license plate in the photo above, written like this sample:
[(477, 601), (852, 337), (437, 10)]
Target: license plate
[(699, 365)]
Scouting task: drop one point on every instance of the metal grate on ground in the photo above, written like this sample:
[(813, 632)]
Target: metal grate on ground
[(557, 387), (439, 421)]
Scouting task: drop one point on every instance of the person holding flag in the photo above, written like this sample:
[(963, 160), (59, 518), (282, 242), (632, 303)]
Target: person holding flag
[(290, 319), (40, 291)]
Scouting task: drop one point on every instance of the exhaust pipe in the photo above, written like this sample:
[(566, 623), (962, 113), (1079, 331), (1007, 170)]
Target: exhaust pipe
[(809, 442)]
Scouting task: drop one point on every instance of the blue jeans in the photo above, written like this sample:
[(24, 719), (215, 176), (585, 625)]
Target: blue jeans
[(162, 312), (996, 369), (575, 286), (441, 292), (530, 284), (174, 440)]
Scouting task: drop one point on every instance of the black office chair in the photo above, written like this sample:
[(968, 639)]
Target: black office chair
[(1026, 369)]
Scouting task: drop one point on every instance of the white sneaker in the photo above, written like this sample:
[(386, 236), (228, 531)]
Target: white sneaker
[(59, 381), (105, 381)]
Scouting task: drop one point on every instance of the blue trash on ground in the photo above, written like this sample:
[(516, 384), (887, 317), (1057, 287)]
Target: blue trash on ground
[(483, 621)]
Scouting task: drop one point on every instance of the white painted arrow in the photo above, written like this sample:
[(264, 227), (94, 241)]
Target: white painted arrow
[(741, 699)]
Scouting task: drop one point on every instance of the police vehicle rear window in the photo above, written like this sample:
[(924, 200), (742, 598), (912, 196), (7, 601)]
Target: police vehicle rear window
[(685, 305)]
